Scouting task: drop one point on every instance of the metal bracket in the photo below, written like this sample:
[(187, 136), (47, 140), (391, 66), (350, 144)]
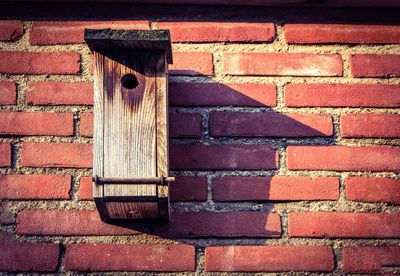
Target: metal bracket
[(163, 180)]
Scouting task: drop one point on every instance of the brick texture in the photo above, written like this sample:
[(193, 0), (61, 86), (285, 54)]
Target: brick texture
[(185, 125), (67, 155), (270, 124), (338, 95), (66, 223), (192, 64), (219, 32), (35, 186), (29, 257), (284, 142), (370, 125), (85, 189), (86, 124), (269, 258), (370, 65), (236, 188), (130, 257), (5, 154), (36, 123), (69, 32), (373, 189), (37, 63), (341, 33), (251, 157), (60, 93), (283, 64), (344, 225), (370, 259), (189, 188), (343, 158), (8, 93), (11, 30), (220, 94), (220, 224)]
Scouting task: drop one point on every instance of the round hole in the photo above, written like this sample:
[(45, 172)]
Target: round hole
[(129, 81)]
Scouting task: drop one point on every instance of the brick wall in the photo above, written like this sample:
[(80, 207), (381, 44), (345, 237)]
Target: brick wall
[(284, 142)]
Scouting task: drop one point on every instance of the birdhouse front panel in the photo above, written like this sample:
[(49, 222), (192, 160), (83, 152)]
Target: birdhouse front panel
[(130, 132)]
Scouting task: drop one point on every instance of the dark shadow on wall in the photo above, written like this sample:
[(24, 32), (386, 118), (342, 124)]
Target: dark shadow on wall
[(119, 11), (238, 145)]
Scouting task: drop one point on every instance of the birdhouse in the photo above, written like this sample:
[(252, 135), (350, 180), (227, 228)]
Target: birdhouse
[(130, 151)]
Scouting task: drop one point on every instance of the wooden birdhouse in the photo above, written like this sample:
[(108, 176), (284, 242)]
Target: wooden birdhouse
[(130, 168)]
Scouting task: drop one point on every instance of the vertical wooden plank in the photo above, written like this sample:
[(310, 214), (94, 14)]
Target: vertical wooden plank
[(162, 130), (129, 126), (98, 135), (98, 122)]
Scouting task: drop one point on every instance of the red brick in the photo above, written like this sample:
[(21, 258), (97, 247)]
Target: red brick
[(66, 223), (8, 92), (5, 154), (36, 123), (344, 225), (269, 258), (251, 157), (370, 259), (220, 224), (217, 94), (185, 125), (192, 64), (188, 188), (343, 158), (56, 155), (70, 32), (219, 31), (60, 93), (130, 257), (85, 188), (370, 125), (11, 30), (270, 124), (283, 64), (35, 186), (237, 188), (341, 33), (373, 189), (337, 95), (37, 63), (29, 257), (86, 124), (370, 65)]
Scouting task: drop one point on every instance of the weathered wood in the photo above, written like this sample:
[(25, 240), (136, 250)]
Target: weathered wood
[(106, 39), (131, 126), (98, 150), (129, 118), (133, 210), (162, 127)]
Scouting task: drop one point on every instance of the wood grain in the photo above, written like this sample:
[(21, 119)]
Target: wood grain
[(131, 132)]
